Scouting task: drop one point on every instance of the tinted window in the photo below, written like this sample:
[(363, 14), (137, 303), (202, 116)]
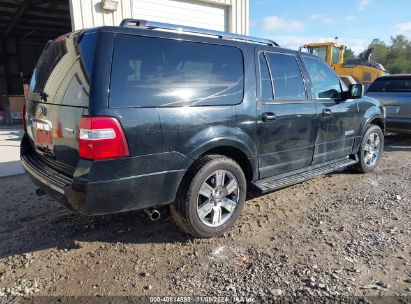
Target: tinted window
[(286, 76), (86, 47), (399, 84), (162, 72), (75, 94), (64, 69), (49, 59), (325, 82), (266, 88)]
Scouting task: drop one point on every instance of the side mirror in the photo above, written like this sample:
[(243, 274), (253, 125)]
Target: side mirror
[(356, 91)]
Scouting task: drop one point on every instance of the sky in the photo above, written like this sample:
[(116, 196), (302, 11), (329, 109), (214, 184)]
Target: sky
[(292, 23)]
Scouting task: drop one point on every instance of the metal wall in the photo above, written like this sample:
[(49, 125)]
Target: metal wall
[(89, 13)]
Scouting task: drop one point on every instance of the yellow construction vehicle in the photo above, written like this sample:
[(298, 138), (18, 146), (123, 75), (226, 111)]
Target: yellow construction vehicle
[(363, 70)]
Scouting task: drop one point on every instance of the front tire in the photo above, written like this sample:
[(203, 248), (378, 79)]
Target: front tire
[(211, 197), (371, 149)]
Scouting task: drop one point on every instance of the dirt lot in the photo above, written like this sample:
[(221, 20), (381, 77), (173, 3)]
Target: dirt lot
[(342, 234)]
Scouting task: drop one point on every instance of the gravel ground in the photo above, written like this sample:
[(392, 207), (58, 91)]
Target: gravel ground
[(340, 235)]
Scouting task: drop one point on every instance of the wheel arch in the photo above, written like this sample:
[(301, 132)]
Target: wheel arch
[(376, 119), (232, 148), (237, 155)]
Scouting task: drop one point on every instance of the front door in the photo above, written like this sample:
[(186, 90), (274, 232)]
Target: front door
[(287, 119), (338, 119)]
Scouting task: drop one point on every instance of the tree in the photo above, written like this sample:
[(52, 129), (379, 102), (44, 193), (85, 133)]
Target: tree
[(380, 51), (395, 56), (399, 55), (349, 54)]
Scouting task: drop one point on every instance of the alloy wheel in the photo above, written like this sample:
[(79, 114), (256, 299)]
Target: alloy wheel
[(372, 149), (217, 198)]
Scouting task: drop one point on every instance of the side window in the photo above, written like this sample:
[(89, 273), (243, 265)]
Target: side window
[(336, 53), (325, 82), (286, 77), (266, 87), (155, 72)]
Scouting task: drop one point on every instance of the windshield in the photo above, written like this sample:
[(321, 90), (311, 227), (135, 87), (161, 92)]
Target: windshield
[(397, 84)]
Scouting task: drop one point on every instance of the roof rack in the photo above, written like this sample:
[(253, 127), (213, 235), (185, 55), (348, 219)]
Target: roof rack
[(145, 24)]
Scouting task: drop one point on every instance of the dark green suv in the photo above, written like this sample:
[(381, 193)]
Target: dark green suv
[(150, 114)]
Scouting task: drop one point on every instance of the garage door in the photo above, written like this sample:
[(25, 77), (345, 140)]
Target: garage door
[(189, 13)]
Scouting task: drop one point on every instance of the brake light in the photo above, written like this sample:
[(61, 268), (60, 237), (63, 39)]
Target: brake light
[(23, 118), (101, 137)]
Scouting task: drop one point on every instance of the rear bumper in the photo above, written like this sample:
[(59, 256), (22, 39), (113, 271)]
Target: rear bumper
[(398, 125), (50, 181), (110, 193)]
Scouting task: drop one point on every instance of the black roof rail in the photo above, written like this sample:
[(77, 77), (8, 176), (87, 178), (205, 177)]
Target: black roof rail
[(145, 24)]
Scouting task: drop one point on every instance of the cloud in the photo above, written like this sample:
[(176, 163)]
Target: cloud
[(314, 17), (403, 28), (280, 24), (362, 4), (349, 18), (328, 21)]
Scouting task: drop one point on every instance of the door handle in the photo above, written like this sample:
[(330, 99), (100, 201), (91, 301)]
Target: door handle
[(327, 112), (268, 116)]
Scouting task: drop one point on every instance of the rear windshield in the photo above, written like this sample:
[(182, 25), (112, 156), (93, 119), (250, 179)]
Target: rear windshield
[(63, 71), (154, 72), (398, 84)]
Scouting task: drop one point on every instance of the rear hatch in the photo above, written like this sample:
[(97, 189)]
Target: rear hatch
[(58, 97), (395, 93)]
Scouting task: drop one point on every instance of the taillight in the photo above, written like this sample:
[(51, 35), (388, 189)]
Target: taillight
[(101, 137), (23, 118)]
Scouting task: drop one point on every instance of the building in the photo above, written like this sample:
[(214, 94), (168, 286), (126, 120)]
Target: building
[(26, 25), (221, 15)]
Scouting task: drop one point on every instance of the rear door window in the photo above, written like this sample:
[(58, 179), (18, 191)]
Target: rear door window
[(266, 86), (155, 72), (286, 77)]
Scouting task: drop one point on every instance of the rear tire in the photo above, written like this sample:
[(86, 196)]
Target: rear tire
[(371, 149), (211, 197)]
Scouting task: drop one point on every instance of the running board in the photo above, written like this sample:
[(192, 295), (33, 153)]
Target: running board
[(289, 179)]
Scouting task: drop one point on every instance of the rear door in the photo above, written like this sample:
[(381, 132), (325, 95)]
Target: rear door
[(287, 119), (58, 97), (338, 120)]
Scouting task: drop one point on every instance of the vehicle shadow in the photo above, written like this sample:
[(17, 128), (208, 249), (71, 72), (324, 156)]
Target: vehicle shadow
[(397, 142), (29, 223)]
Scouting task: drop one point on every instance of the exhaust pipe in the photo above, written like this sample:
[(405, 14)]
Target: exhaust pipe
[(153, 214)]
